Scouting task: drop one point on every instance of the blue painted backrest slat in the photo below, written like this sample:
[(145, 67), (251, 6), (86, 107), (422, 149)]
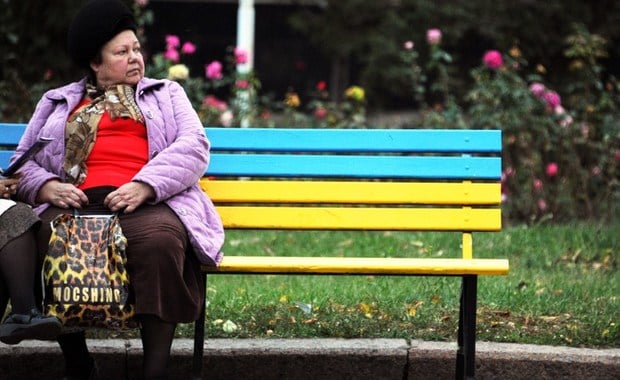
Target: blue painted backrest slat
[(355, 140), (275, 139), (336, 141), (11, 133), (303, 165), (333, 140), (5, 155)]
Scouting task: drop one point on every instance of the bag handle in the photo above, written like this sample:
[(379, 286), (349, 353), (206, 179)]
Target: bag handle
[(76, 213)]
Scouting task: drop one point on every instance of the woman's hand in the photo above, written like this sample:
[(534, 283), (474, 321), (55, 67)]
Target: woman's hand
[(129, 197), (8, 187), (63, 195)]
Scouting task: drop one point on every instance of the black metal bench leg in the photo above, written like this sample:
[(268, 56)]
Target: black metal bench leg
[(460, 357), (466, 354), (199, 336)]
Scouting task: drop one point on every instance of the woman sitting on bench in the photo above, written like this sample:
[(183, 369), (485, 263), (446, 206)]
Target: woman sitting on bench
[(132, 145), (18, 255)]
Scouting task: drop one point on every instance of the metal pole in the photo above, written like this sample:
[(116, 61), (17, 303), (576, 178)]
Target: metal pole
[(245, 41), (245, 33)]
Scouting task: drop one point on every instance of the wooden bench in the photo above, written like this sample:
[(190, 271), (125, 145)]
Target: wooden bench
[(365, 180)]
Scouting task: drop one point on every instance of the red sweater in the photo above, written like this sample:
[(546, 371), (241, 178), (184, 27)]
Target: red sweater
[(120, 151)]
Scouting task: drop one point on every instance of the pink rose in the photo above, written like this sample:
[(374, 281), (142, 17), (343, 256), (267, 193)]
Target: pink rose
[(408, 45), (241, 56), (188, 48), (142, 3), (538, 184), (213, 102), (172, 41), (552, 169), (265, 115), (493, 59), (241, 83), (542, 204), (320, 113), (172, 54), (537, 89), (433, 36), (213, 70), (552, 98)]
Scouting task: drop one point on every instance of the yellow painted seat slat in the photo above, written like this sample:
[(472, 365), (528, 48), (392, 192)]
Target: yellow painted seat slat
[(440, 193), (364, 265), (361, 218)]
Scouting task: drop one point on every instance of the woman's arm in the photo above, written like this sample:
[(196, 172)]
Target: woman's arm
[(182, 160)]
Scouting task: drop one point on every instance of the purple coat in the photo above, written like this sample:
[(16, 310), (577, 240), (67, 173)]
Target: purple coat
[(178, 156)]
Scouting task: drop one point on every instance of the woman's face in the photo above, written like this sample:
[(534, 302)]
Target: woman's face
[(121, 61)]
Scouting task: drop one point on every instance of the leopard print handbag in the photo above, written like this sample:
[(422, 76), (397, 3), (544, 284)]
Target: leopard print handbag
[(85, 275)]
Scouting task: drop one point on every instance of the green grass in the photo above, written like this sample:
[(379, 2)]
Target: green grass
[(563, 288)]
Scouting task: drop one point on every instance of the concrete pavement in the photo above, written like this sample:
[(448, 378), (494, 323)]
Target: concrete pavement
[(301, 359)]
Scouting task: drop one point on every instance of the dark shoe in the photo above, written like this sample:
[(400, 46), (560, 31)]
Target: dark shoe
[(91, 374), (17, 327)]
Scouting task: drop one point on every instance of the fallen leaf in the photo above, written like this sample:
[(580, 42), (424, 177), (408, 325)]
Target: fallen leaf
[(229, 326), (550, 318)]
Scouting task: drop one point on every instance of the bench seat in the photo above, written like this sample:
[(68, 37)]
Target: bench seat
[(359, 266)]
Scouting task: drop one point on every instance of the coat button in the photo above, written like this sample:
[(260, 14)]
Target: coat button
[(149, 114)]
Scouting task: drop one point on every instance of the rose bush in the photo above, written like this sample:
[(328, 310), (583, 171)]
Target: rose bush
[(560, 158)]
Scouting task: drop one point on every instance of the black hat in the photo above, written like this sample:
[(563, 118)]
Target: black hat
[(94, 25)]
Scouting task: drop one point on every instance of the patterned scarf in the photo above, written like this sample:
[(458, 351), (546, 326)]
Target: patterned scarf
[(81, 129)]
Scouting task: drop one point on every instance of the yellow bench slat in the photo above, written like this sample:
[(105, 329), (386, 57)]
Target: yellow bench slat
[(228, 191), (366, 265), (360, 218)]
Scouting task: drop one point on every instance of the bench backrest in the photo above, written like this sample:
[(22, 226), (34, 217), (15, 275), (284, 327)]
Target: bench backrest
[(352, 179)]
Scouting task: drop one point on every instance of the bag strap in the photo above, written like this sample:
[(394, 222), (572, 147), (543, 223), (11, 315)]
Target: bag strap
[(76, 213)]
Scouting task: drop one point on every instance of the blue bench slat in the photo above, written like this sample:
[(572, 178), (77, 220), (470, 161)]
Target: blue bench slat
[(346, 166), (5, 155), (336, 140), (356, 140), (11, 133), (428, 167)]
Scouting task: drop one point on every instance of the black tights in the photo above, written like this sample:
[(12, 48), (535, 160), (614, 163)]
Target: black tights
[(78, 362), (17, 271), (157, 336)]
